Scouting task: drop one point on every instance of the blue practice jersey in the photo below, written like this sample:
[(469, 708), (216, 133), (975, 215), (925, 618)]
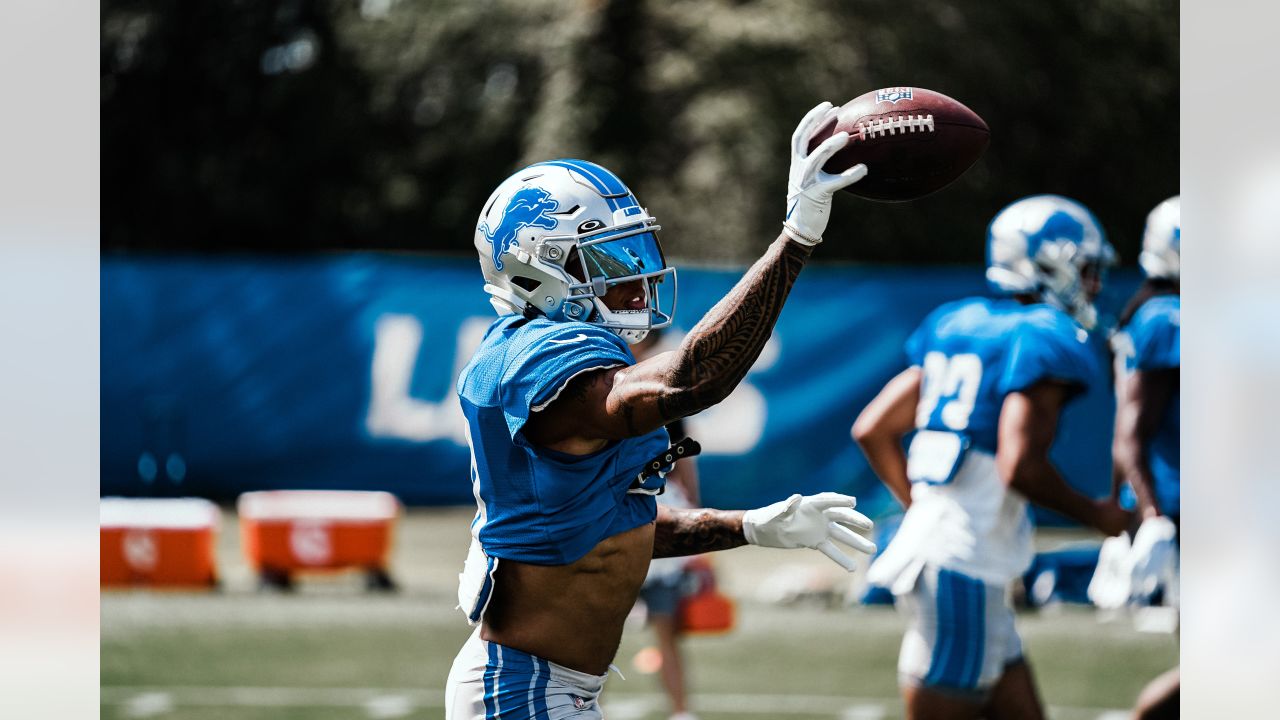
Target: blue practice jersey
[(1154, 335), (976, 351), (536, 505)]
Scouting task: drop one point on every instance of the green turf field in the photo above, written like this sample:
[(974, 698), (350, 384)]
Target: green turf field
[(333, 651)]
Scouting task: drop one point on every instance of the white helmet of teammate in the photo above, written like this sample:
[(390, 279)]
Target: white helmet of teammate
[(555, 236), (1043, 245), (1162, 241)]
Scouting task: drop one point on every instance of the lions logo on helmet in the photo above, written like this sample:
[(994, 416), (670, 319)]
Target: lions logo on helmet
[(527, 208), (1161, 257), (1042, 245), (556, 236)]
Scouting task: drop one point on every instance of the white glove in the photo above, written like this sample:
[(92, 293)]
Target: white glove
[(811, 522), (1113, 577), (1154, 555), (809, 189)]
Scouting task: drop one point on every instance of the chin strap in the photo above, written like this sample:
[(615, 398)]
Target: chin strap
[(686, 448)]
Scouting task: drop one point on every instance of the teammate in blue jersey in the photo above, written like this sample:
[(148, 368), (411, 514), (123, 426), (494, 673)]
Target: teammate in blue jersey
[(987, 381), (567, 429), (1148, 418), (1148, 343)]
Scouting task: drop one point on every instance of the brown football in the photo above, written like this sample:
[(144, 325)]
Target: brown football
[(913, 141)]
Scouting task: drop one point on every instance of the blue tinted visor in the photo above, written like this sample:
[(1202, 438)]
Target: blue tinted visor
[(622, 256), (618, 257)]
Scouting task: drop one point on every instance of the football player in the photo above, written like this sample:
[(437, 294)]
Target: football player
[(1148, 343), (987, 382), (1148, 350), (566, 428)]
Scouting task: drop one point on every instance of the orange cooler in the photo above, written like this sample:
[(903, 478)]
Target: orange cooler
[(152, 542), (291, 530)]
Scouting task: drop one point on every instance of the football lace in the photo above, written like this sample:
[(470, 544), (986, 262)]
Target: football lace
[(894, 125)]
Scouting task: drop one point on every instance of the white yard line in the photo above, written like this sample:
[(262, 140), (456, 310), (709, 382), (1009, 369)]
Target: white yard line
[(155, 701)]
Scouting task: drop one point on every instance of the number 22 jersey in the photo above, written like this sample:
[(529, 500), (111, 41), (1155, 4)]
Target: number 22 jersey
[(972, 354)]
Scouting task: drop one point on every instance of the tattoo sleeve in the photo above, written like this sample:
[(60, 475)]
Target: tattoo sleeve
[(720, 349), (689, 532)]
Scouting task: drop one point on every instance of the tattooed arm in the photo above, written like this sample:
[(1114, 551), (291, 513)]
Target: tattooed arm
[(717, 353), (690, 532), (713, 358), (721, 348), (808, 521)]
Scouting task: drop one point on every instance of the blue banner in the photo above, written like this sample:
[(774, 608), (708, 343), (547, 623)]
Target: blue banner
[(225, 375)]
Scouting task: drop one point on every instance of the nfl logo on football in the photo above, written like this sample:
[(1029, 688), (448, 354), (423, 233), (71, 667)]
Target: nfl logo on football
[(893, 95)]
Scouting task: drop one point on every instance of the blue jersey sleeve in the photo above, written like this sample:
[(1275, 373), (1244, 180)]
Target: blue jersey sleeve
[(1048, 352), (540, 370), (1156, 331)]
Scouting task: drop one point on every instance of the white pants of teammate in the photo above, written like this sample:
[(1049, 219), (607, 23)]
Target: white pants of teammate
[(960, 635), (489, 681)]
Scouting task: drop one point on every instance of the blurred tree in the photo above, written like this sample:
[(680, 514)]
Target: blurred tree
[(361, 124), (230, 126)]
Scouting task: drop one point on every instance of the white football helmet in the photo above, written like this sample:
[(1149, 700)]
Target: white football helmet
[(1161, 256), (555, 236), (1042, 245)]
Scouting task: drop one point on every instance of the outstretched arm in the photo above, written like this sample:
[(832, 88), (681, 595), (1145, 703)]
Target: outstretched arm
[(708, 365), (718, 351), (722, 347), (814, 521), (690, 532), (881, 426)]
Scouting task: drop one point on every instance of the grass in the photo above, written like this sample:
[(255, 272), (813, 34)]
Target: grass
[(333, 651)]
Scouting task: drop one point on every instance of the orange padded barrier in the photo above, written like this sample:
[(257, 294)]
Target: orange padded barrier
[(291, 530), (148, 542), (707, 611)]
